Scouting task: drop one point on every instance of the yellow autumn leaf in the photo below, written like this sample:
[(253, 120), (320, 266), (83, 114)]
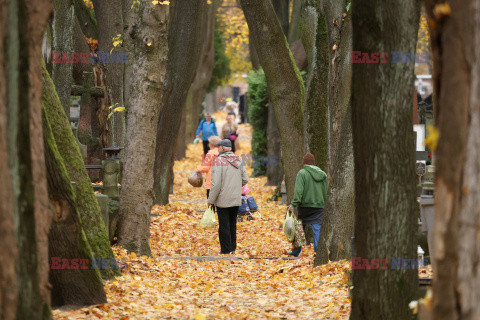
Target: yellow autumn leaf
[(432, 139), (200, 316)]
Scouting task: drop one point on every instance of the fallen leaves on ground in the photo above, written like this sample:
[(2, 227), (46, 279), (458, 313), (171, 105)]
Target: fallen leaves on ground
[(246, 287)]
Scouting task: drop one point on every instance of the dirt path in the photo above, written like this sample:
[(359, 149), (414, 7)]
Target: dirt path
[(187, 279)]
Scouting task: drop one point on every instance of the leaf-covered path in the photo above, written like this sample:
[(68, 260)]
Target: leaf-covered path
[(243, 287)]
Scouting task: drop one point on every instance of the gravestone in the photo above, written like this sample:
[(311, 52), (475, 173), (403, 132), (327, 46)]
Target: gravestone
[(103, 201), (112, 172)]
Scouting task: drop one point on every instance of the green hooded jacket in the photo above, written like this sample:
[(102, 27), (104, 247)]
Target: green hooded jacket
[(310, 187)]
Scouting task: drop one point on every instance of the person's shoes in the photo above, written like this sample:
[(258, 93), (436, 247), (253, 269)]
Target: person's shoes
[(295, 254)]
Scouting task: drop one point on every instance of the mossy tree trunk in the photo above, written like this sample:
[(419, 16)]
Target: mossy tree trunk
[(456, 247), (63, 41), (66, 239), (338, 223), (146, 40), (293, 29), (284, 82), (25, 292), (386, 210), (86, 202), (184, 49)]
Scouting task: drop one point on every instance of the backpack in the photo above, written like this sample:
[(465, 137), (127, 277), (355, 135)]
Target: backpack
[(252, 204), (244, 206)]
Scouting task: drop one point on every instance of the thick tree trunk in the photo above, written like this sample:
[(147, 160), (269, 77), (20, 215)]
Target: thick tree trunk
[(456, 250), (26, 196), (315, 41), (185, 44), (86, 202), (146, 40), (110, 24), (63, 41), (385, 182), (81, 285), (274, 165), (9, 250), (180, 144), (284, 82), (338, 223)]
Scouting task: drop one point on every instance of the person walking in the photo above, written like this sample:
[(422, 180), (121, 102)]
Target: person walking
[(229, 130), (309, 198), (228, 177), (208, 128), (206, 166)]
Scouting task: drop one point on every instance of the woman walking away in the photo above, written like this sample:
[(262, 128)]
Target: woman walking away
[(208, 129), (309, 198), (229, 131), (207, 162)]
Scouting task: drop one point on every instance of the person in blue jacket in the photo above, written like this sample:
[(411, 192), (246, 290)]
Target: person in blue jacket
[(208, 129)]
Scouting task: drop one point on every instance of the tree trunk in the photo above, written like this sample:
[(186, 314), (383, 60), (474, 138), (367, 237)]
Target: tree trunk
[(196, 93), (63, 41), (274, 165), (385, 181), (338, 223), (314, 38), (185, 44), (9, 251), (110, 24), (24, 191), (293, 30), (180, 144), (282, 12), (284, 82), (82, 285), (86, 19), (146, 40), (86, 202), (456, 287)]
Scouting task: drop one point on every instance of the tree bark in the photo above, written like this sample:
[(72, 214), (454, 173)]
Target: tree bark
[(338, 223), (110, 24), (9, 251), (293, 30), (146, 40), (385, 181), (77, 286), (282, 12), (185, 44), (284, 82), (274, 165), (27, 198), (86, 202), (63, 42), (196, 93), (456, 65), (86, 19)]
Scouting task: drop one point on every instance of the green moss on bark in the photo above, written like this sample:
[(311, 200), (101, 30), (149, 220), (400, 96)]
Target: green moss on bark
[(87, 205)]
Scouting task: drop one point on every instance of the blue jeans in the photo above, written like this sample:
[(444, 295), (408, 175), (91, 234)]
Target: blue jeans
[(316, 235)]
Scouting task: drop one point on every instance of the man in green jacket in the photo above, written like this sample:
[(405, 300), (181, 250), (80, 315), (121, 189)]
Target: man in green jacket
[(309, 198)]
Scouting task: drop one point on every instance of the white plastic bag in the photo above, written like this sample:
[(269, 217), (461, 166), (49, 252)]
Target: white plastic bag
[(289, 226), (208, 219)]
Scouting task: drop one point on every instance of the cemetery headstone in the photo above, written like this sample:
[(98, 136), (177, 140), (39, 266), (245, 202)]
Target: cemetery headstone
[(112, 172)]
